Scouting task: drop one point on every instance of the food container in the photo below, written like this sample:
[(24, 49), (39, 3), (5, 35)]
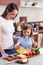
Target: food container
[(28, 3), (22, 3)]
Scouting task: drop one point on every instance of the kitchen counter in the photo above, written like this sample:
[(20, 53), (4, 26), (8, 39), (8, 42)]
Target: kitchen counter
[(40, 31), (36, 60)]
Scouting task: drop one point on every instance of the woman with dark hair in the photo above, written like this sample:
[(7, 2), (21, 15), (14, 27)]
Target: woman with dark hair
[(7, 29), (26, 40), (10, 9)]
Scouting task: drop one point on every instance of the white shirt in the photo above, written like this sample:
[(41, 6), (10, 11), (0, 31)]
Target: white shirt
[(7, 33)]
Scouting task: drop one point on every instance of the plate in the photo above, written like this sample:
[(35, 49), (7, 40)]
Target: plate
[(21, 62)]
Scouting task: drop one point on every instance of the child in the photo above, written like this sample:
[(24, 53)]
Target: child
[(26, 40)]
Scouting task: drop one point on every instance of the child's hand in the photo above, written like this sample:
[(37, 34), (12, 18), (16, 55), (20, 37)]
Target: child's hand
[(35, 44), (18, 47)]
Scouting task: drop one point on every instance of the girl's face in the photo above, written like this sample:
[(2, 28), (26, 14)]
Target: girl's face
[(27, 32), (11, 15)]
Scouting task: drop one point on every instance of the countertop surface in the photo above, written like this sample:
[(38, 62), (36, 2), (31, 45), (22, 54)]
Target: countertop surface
[(36, 60)]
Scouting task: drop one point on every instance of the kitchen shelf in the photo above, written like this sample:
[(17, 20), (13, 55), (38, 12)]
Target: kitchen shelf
[(25, 6)]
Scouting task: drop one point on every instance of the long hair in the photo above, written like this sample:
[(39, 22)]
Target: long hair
[(25, 27), (10, 7)]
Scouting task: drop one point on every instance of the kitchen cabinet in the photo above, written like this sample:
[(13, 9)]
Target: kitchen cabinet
[(41, 32), (4, 2), (35, 36)]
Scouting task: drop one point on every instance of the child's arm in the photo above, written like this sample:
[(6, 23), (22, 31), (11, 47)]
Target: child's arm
[(35, 45), (18, 44)]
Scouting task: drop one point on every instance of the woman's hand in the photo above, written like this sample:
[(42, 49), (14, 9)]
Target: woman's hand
[(16, 37), (4, 55)]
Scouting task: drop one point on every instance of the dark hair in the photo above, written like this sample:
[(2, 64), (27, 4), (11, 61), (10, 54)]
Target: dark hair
[(25, 27), (10, 7)]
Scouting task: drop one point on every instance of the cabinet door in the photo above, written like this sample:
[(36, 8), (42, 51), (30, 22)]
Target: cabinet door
[(4, 2)]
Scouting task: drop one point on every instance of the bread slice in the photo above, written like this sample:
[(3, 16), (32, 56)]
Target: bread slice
[(22, 56), (20, 50)]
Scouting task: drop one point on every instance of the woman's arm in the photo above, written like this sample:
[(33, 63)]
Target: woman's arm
[(16, 37), (4, 55)]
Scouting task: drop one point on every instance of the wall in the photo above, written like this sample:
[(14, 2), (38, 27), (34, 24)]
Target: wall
[(33, 14)]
